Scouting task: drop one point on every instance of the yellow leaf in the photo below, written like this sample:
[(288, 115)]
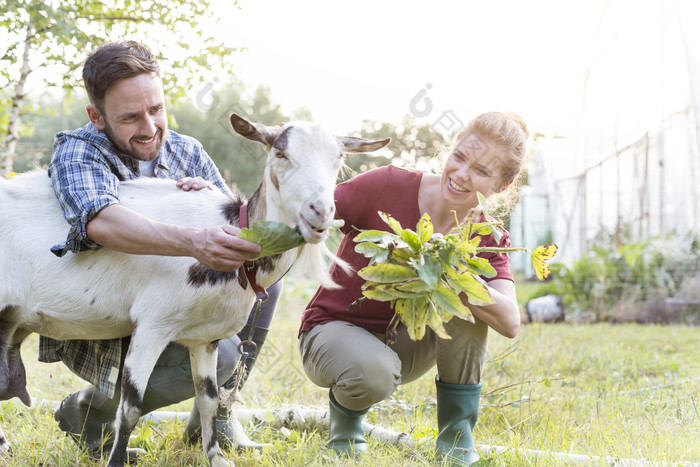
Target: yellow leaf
[(424, 228), (539, 260), (391, 222), (545, 252)]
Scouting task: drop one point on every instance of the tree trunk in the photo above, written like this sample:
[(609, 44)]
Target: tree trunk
[(10, 143)]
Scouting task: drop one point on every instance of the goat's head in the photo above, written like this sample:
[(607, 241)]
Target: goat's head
[(302, 168)]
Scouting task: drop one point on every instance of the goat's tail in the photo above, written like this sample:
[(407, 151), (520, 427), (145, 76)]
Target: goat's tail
[(314, 262)]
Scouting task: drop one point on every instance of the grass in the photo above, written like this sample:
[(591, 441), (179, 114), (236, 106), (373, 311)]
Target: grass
[(624, 391)]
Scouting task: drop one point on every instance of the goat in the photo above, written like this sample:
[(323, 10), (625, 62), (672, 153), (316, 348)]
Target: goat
[(104, 294)]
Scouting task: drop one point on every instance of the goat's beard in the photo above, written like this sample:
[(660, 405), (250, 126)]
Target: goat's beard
[(123, 147)]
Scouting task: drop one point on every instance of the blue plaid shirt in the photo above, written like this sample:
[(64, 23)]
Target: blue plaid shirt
[(85, 171)]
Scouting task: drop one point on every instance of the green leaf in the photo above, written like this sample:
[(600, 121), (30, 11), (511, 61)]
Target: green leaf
[(368, 249), (414, 286), (428, 269), (411, 238), (273, 237), (477, 293), (391, 222), (374, 293), (405, 310), (481, 266), (396, 292), (446, 300), (482, 228), (435, 322), (424, 228), (414, 314), (386, 273), (482, 201), (371, 236)]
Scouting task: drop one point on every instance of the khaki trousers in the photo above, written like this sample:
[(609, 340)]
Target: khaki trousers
[(361, 369)]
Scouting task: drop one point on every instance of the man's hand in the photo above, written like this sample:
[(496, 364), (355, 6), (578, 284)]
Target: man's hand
[(193, 183), (220, 249)]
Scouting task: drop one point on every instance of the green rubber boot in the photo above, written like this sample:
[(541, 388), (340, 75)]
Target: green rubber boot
[(457, 412), (346, 434)]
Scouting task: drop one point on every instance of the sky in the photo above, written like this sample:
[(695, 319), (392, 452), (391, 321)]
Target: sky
[(441, 61)]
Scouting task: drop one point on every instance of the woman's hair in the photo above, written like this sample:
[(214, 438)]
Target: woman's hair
[(509, 133), (113, 62)]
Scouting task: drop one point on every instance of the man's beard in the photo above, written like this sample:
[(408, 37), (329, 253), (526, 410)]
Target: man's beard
[(127, 150)]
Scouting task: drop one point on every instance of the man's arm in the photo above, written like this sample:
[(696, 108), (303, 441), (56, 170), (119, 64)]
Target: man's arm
[(122, 229)]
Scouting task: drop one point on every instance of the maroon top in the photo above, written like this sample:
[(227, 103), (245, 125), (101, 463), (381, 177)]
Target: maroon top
[(392, 190)]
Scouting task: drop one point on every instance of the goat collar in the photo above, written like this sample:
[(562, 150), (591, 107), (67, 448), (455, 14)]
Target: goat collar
[(248, 267)]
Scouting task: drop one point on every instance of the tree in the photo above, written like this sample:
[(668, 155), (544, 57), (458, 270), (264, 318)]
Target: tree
[(206, 118), (411, 146), (47, 39)]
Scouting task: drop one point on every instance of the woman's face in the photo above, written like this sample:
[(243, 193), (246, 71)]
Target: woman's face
[(474, 166)]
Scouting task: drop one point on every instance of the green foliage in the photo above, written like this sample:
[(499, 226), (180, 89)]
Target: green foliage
[(411, 145), (424, 274), (51, 116), (206, 118), (606, 276), (53, 36), (273, 237), (276, 237)]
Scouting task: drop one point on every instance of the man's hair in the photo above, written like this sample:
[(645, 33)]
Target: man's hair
[(113, 62)]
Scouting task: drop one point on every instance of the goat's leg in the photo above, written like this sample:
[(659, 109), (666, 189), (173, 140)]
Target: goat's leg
[(13, 381), (12, 375), (144, 350), (5, 447), (203, 360)]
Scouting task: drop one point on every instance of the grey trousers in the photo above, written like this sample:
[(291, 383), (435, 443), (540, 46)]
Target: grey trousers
[(361, 369)]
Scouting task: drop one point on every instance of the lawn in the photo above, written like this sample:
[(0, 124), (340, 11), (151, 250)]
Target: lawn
[(591, 392)]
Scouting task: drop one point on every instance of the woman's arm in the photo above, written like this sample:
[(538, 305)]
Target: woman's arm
[(504, 315)]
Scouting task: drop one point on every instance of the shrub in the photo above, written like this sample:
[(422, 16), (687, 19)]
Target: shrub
[(610, 281)]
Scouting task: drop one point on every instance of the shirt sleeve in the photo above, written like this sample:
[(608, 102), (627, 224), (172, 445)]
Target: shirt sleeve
[(211, 172), (83, 184), (186, 157)]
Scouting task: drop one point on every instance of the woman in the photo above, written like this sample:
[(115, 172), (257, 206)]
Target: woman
[(345, 348)]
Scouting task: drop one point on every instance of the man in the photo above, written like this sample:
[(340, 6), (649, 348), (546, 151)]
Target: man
[(128, 137)]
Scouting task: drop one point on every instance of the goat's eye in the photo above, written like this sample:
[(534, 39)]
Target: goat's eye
[(280, 155)]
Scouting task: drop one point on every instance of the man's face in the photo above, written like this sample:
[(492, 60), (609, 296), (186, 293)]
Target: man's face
[(134, 116)]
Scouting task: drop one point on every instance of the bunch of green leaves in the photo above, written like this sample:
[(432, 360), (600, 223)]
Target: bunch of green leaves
[(275, 237), (428, 276)]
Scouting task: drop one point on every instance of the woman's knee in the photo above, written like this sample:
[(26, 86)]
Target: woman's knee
[(358, 366), (369, 380)]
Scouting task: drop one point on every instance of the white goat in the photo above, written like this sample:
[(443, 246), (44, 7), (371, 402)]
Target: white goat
[(104, 294)]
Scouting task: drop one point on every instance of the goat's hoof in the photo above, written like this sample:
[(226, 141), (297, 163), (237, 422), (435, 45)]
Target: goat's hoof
[(220, 461), (5, 448), (132, 456)]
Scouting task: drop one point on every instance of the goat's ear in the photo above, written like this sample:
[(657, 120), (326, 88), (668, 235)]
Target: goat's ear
[(353, 144), (254, 131)]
